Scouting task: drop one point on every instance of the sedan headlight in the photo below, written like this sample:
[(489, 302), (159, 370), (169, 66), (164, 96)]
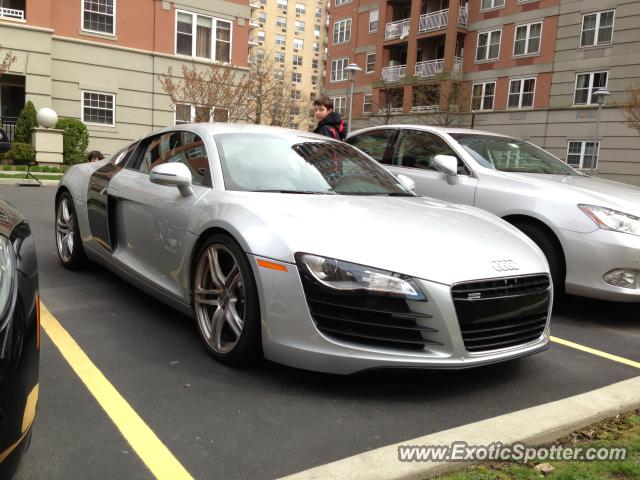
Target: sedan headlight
[(7, 274), (345, 276), (609, 219)]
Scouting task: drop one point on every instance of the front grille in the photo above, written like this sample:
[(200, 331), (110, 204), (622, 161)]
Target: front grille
[(502, 313), (366, 319)]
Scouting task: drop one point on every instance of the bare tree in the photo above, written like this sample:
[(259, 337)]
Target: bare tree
[(271, 98), (7, 61), (209, 88), (389, 102), (442, 104), (631, 110)]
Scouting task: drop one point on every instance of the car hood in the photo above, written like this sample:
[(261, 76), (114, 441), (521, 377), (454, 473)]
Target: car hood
[(591, 190), (415, 236)]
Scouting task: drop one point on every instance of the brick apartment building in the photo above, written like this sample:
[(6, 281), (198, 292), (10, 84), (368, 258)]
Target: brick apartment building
[(529, 69), (99, 60)]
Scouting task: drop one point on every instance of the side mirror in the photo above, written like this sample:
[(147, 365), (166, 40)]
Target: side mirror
[(172, 175), (406, 182), (447, 164)]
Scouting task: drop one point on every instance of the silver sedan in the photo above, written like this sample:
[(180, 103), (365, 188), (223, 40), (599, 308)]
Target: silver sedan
[(304, 249), (588, 228)]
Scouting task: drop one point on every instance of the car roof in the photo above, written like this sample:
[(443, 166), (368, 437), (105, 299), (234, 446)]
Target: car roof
[(430, 128)]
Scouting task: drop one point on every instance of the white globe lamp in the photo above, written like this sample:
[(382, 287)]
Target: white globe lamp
[(47, 117)]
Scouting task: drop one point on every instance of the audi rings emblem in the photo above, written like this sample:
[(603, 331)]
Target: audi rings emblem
[(504, 265)]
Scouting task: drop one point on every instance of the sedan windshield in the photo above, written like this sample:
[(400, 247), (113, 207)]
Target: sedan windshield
[(511, 155), (290, 164)]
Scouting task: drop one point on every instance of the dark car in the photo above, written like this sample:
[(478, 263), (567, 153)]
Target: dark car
[(19, 337), (5, 143)]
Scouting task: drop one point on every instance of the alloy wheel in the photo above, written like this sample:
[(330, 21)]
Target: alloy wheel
[(65, 226)]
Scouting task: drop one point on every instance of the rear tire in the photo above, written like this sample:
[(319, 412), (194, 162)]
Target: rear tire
[(68, 241), (551, 251), (225, 301)]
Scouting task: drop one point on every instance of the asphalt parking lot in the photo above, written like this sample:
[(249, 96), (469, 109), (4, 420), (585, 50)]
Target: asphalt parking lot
[(264, 421)]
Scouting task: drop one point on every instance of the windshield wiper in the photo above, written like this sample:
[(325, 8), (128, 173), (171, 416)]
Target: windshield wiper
[(302, 192), (387, 194)]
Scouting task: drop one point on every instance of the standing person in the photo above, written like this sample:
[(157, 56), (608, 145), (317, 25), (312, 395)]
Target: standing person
[(94, 156), (330, 123)]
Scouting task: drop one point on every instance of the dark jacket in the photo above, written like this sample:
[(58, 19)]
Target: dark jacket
[(332, 126)]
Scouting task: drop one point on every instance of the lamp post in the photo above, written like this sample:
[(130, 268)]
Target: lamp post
[(352, 69), (601, 95)]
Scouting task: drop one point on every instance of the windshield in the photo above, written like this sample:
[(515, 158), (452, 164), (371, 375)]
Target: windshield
[(511, 155), (296, 164)]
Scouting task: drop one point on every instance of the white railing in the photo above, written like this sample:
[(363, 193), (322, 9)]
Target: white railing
[(463, 15), (11, 13), (430, 68), (457, 64), (394, 74), (254, 41), (397, 29), (425, 108), (433, 20)]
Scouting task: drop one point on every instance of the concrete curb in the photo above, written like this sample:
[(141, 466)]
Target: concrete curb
[(533, 426), (15, 181)]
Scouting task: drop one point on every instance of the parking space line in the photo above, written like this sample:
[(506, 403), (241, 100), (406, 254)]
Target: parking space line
[(593, 351), (155, 455)]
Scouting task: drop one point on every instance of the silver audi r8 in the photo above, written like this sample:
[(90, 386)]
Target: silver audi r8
[(589, 228), (305, 249)]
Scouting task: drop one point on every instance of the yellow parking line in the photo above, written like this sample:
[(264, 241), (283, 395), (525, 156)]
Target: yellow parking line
[(155, 455), (599, 353)]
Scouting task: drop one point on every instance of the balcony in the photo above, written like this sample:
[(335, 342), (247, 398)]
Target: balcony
[(425, 108), (11, 13), (429, 68), (440, 19), (254, 23), (394, 74), (399, 29), (254, 41)]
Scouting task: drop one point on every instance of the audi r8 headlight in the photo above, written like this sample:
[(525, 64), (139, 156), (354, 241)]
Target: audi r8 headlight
[(609, 219), (340, 275), (7, 275)]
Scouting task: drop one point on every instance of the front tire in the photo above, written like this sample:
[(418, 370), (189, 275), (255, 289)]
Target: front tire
[(551, 251), (225, 301), (68, 241)]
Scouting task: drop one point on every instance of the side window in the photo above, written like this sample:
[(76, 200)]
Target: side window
[(193, 154), (373, 143), (122, 157), (417, 149), (159, 150)]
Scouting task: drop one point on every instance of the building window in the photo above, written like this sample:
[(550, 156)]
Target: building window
[(282, 4), (186, 113), (281, 22), (337, 69), (301, 8), (527, 40), (296, 95), (299, 25), (298, 43), (318, 13), (278, 75), (583, 154), (521, 92), (296, 77), (597, 28), (297, 60), (342, 31), (281, 40), (262, 17), (316, 33), (98, 16), (367, 103), (316, 47), (586, 84), (280, 57), (488, 45), (371, 63), (314, 63), (483, 95), (342, 2), (339, 104), (98, 108), (373, 20), (194, 37), (314, 80), (487, 4)]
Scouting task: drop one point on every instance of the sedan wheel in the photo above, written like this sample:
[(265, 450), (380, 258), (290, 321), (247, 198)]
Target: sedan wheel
[(68, 241), (225, 301)]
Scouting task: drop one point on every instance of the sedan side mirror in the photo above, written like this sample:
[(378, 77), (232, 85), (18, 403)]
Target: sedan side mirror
[(447, 164), (172, 174), (406, 182)]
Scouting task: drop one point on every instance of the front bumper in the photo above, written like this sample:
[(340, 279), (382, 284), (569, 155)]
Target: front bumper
[(589, 256), (290, 336)]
